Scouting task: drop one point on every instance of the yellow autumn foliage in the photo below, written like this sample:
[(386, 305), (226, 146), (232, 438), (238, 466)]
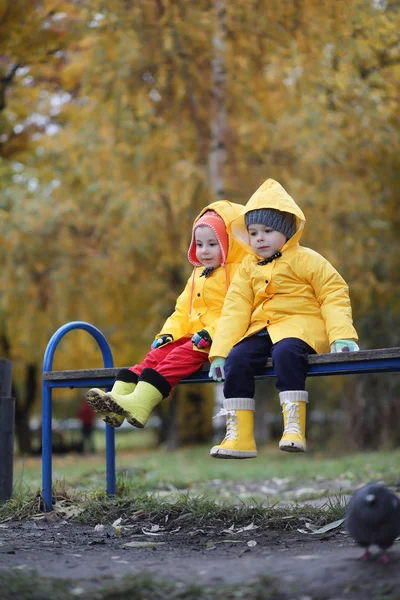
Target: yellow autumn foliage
[(101, 184)]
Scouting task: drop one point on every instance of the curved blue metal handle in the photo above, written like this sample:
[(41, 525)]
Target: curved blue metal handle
[(47, 409), (59, 334)]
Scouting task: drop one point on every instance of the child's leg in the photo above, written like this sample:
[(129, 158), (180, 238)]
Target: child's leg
[(245, 360), (156, 384), (290, 363), (157, 355), (125, 383), (181, 362)]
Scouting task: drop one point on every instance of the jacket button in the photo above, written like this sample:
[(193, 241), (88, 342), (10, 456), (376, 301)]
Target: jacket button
[(268, 322), (199, 294), (266, 281), (198, 314)]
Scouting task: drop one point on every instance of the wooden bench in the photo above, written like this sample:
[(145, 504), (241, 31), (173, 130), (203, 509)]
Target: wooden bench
[(386, 360)]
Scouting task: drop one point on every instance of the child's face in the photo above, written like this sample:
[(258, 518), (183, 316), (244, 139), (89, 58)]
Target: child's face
[(208, 251), (265, 241)]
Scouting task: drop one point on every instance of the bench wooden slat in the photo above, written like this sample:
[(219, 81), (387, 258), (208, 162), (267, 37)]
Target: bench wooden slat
[(314, 359)]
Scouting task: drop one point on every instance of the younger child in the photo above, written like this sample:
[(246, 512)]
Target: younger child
[(285, 301), (183, 344)]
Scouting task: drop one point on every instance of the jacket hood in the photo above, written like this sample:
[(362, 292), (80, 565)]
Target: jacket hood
[(228, 211), (269, 195)]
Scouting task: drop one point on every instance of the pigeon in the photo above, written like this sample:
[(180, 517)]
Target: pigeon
[(373, 519)]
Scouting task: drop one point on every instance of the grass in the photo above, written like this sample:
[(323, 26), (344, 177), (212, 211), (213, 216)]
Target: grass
[(155, 479), (30, 586), (189, 466)]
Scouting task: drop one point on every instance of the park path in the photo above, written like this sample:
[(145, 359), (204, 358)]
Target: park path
[(305, 566)]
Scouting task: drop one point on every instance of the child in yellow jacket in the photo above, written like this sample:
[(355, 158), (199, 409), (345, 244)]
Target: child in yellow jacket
[(183, 344), (285, 301)]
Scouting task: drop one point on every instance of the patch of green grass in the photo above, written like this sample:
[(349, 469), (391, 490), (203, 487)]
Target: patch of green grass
[(206, 512), (30, 586), (144, 588), (160, 477), (96, 507), (23, 586), (184, 467)]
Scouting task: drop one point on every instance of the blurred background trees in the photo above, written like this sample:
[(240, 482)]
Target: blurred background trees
[(120, 120)]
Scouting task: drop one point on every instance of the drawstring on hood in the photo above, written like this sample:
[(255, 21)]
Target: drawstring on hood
[(207, 271), (270, 259)]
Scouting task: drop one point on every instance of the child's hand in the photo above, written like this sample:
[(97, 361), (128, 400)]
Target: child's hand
[(344, 346), (217, 371), (202, 339), (163, 339)]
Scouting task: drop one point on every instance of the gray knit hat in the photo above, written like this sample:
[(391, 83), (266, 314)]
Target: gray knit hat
[(278, 220)]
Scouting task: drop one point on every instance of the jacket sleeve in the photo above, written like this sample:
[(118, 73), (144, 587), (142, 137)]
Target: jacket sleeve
[(236, 313), (212, 327), (177, 324), (332, 293)]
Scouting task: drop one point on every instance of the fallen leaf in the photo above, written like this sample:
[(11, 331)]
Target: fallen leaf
[(318, 530), (142, 544), (231, 529), (153, 529), (147, 532), (248, 528), (67, 510), (210, 546), (77, 591)]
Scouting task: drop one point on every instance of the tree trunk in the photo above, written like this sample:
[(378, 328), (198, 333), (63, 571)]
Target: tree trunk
[(23, 410), (217, 155), (265, 399), (373, 412)]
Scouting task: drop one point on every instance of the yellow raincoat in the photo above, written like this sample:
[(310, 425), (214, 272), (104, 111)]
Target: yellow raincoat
[(299, 294), (200, 304)]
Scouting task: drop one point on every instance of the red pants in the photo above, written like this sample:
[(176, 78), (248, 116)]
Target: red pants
[(174, 361)]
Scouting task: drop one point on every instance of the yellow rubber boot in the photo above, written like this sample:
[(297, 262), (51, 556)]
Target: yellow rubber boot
[(294, 405), (239, 439), (137, 406), (96, 399)]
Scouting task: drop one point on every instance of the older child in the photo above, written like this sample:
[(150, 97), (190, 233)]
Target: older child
[(286, 301), (183, 344)]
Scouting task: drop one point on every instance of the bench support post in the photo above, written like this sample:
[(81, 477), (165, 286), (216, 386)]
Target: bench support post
[(7, 418), (47, 410)]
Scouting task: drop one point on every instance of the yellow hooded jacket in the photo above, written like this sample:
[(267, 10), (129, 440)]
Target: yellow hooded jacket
[(200, 304), (299, 294)]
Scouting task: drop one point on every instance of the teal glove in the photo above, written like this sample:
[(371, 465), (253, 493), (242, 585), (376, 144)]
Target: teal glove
[(163, 339), (217, 371), (344, 346)]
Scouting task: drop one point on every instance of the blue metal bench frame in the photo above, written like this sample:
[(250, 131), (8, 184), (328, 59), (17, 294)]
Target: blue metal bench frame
[(366, 361)]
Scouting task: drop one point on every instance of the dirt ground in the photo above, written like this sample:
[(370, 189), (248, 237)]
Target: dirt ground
[(307, 567)]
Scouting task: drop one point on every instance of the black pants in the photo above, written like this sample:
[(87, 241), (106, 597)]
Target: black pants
[(248, 359)]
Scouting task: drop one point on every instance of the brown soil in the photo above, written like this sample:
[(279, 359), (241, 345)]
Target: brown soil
[(306, 568)]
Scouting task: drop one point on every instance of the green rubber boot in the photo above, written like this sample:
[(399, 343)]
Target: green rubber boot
[(96, 401), (137, 406)]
